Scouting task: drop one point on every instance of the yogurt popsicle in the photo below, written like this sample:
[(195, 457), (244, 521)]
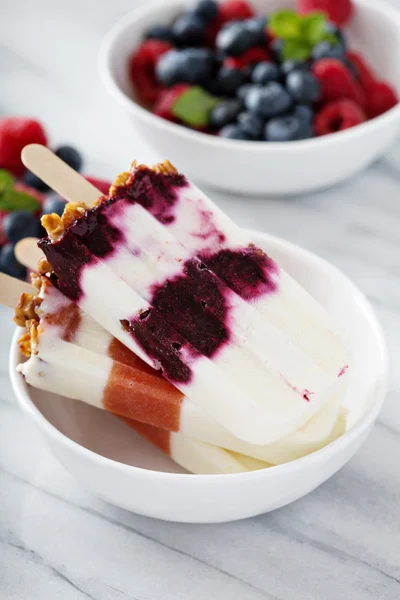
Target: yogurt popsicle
[(261, 367), (74, 356)]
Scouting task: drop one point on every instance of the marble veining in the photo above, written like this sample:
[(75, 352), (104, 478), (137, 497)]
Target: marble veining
[(57, 540)]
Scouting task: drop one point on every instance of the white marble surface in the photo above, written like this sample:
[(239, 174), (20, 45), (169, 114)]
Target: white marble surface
[(56, 539)]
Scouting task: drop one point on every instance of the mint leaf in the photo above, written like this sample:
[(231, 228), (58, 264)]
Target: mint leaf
[(313, 28), (6, 180), (11, 200), (194, 107), (331, 38), (285, 24), (296, 50)]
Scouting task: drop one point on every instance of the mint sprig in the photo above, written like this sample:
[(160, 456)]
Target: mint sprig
[(11, 199), (300, 33), (286, 24), (295, 50), (194, 107), (6, 180), (313, 28)]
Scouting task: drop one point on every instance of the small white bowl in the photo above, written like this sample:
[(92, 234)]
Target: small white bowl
[(258, 167), (124, 469)]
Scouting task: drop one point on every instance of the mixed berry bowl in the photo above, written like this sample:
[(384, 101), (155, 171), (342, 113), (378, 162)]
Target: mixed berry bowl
[(226, 155)]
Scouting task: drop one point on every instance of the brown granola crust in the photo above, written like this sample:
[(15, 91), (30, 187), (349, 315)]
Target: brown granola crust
[(26, 316), (56, 225)]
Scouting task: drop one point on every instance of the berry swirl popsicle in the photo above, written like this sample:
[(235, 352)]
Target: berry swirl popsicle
[(163, 270)]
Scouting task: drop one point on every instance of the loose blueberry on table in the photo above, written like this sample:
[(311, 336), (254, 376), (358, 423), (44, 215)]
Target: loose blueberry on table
[(221, 69)]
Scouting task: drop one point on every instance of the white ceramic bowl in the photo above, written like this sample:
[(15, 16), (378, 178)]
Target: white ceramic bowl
[(256, 167), (126, 470)]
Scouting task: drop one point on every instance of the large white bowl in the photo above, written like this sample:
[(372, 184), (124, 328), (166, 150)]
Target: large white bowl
[(257, 167), (124, 469)]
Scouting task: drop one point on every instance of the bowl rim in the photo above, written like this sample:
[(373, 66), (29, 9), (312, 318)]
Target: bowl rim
[(379, 390), (106, 73)]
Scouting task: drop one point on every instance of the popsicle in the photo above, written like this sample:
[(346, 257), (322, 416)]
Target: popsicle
[(169, 275), (74, 356)]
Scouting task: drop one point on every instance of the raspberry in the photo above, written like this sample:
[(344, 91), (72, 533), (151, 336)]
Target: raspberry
[(380, 97), (142, 69), (235, 10), (338, 11), (103, 186), (15, 133), (166, 100), (252, 56), (337, 81), (337, 116), (365, 74)]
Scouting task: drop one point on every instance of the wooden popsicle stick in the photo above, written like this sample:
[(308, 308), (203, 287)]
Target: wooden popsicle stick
[(58, 175), (27, 253), (11, 289)]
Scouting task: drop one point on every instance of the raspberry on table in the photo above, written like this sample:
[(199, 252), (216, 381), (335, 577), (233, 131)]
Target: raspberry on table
[(15, 133)]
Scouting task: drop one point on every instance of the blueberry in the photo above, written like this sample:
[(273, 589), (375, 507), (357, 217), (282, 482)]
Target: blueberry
[(276, 47), (242, 91), (229, 80), (192, 65), (288, 129), (302, 111), (225, 112), (197, 65), (9, 264), (234, 39), (159, 32), (211, 87), (264, 72), (169, 67), (258, 28), (70, 156), (218, 58), (20, 224), (327, 50), (293, 65), (188, 30), (53, 204), (268, 101), (251, 125), (34, 182), (303, 86), (233, 132), (205, 9)]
